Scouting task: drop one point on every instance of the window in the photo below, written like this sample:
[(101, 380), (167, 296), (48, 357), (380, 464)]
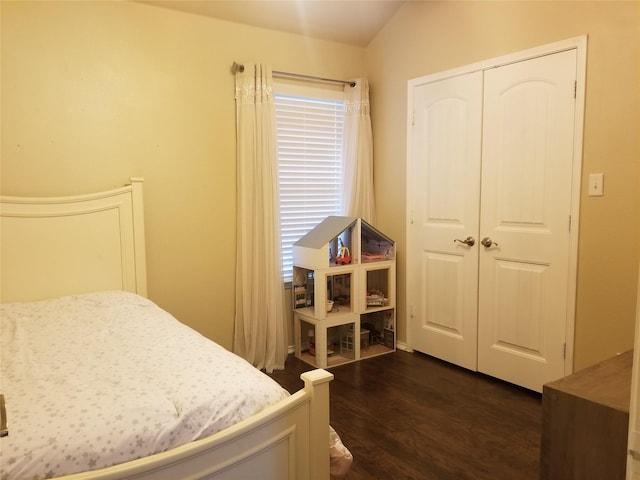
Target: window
[(309, 124)]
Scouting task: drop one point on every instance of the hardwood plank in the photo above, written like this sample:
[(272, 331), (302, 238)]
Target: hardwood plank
[(410, 416)]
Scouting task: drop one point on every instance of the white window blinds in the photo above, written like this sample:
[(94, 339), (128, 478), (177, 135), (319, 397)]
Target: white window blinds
[(310, 133)]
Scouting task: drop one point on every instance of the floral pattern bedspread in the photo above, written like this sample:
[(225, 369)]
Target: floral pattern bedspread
[(99, 379)]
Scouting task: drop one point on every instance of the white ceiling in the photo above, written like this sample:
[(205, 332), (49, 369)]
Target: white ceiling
[(355, 22)]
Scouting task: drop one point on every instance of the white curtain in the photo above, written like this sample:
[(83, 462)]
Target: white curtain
[(358, 153), (260, 327)]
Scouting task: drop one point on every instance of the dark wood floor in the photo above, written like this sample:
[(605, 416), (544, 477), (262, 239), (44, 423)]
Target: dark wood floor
[(410, 416)]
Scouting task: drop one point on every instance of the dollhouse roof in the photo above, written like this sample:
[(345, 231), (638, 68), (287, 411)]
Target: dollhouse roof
[(325, 231), (333, 226), (369, 232)]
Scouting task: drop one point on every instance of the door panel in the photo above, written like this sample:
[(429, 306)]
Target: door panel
[(516, 325), (527, 162), (445, 183)]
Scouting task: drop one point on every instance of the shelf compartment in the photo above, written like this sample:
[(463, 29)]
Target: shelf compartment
[(327, 284), (319, 248), (374, 245), (321, 342), (378, 286), (381, 328)]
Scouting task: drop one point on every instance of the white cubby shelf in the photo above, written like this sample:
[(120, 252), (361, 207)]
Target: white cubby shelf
[(344, 292)]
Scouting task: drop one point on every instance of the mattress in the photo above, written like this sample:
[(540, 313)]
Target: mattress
[(95, 380)]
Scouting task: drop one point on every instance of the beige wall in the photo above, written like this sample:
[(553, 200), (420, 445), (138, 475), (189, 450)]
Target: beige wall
[(427, 37), (96, 92)]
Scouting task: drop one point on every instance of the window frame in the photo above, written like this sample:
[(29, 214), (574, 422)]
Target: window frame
[(288, 87)]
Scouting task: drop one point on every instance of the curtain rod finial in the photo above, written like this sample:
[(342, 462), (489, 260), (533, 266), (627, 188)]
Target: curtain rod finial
[(237, 67)]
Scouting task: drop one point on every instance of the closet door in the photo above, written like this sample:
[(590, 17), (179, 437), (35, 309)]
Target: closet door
[(527, 164), (445, 185)]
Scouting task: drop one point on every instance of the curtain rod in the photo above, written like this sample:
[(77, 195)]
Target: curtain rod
[(239, 67)]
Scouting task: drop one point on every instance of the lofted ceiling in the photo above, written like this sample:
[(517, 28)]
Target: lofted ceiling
[(355, 22)]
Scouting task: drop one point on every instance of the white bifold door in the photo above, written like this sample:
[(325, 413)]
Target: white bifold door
[(491, 191)]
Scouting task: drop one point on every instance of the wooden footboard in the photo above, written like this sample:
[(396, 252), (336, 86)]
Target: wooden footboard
[(289, 440)]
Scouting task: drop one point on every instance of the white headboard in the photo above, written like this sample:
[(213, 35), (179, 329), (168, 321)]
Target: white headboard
[(54, 246)]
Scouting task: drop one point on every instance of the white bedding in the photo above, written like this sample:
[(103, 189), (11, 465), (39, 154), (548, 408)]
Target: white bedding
[(99, 379)]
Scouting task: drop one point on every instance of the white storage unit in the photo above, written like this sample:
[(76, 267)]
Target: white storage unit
[(344, 292)]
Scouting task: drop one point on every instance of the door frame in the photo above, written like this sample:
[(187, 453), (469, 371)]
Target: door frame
[(580, 45)]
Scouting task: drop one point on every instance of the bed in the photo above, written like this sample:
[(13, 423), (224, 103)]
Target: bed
[(72, 271)]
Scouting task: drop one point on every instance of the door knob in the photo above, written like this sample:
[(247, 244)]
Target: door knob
[(469, 241), (487, 242)]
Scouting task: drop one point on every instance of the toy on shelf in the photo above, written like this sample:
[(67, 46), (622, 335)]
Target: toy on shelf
[(344, 256), (375, 298)]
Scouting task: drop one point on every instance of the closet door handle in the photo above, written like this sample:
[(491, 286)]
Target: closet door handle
[(469, 241), (487, 242)]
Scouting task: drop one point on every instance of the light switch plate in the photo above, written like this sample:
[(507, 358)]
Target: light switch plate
[(596, 185)]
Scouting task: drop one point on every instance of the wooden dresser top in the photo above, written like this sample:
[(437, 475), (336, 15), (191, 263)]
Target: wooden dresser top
[(606, 383)]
